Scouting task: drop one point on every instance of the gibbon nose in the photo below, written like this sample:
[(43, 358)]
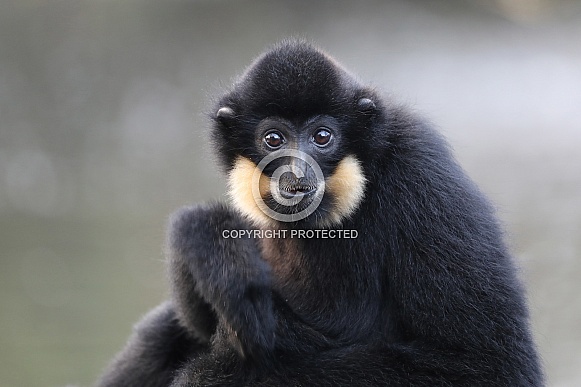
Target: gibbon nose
[(299, 181)]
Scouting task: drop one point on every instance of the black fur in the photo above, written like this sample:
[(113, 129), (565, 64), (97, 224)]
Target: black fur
[(427, 295), (158, 346)]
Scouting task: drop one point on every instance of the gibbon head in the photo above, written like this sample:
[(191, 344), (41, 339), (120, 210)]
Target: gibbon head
[(293, 135)]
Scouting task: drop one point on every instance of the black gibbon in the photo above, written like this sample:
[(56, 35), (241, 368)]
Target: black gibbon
[(358, 254)]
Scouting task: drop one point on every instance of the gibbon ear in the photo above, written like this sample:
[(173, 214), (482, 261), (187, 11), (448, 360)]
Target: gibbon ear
[(225, 115), (365, 105)]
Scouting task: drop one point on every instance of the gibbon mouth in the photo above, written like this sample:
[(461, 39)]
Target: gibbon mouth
[(297, 188), (294, 192)]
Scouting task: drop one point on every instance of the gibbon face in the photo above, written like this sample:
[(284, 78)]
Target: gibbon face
[(309, 179), (292, 137)]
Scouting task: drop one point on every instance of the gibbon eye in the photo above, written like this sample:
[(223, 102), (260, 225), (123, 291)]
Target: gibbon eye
[(322, 137), (274, 139)]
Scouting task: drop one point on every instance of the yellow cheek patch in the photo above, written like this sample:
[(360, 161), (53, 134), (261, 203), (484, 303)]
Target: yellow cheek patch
[(240, 190), (346, 186)]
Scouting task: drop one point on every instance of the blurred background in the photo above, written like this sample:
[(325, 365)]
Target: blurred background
[(103, 135)]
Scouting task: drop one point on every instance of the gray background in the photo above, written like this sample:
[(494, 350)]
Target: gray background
[(102, 136)]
